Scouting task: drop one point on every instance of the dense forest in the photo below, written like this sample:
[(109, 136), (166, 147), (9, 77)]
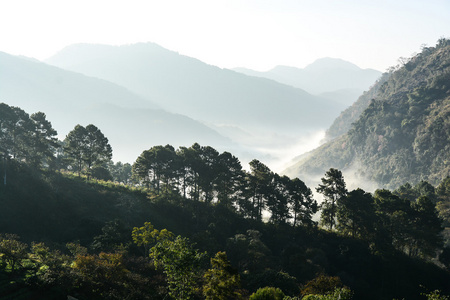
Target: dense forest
[(192, 223), (396, 132)]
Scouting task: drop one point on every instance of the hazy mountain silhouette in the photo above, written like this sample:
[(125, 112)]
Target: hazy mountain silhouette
[(324, 76), (188, 86), (131, 123)]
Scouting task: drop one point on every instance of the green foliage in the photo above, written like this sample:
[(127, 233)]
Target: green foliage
[(102, 275), (120, 172), (333, 189), (12, 250), (337, 294), (28, 138), (221, 281), (403, 133), (265, 253), (114, 234), (436, 295), (87, 147), (411, 227), (248, 251), (180, 262), (356, 214), (200, 173), (147, 236), (321, 285), (443, 205), (52, 267), (267, 293)]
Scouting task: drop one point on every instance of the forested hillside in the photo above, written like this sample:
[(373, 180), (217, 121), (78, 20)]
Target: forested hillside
[(190, 223), (403, 135), (343, 123)]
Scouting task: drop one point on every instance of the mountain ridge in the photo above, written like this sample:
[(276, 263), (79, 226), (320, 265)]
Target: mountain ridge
[(404, 133), (324, 75), (70, 98), (186, 85)]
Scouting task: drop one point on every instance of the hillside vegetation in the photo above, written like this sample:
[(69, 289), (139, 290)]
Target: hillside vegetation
[(403, 134), (96, 220), (190, 223)]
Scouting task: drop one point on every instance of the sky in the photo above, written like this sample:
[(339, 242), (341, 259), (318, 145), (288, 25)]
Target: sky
[(255, 34)]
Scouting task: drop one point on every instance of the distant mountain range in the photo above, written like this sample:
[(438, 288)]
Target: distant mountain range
[(329, 78), (143, 95), (207, 93), (400, 129), (131, 123)]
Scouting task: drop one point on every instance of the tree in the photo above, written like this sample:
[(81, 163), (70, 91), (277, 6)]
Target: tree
[(277, 201), (426, 227), (229, 179), (75, 144), (222, 281), (333, 189), (207, 171), (260, 185), (147, 236), (321, 285), (406, 191), (180, 262), (156, 166), (87, 147), (302, 204), (436, 295), (337, 294), (394, 219), (411, 227), (248, 251), (114, 234), (7, 117), (424, 188), (52, 267), (12, 250), (21, 128), (120, 172), (356, 214), (103, 276), (267, 293), (97, 150), (43, 139)]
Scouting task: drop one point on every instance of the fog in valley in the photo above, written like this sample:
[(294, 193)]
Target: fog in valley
[(144, 95)]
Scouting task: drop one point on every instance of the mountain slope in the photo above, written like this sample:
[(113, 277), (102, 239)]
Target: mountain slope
[(325, 75), (404, 134), (343, 123), (131, 123), (185, 85)]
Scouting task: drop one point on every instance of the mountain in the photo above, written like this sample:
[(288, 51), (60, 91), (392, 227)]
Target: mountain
[(324, 76), (344, 96), (343, 123), (207, 93), (131, 123), (404, 133)]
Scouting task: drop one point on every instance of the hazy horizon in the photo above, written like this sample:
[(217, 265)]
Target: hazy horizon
[(258, 35)]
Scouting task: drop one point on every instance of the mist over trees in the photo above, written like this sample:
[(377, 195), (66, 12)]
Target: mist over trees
[(192, 223), (399, 129), (264, 221)]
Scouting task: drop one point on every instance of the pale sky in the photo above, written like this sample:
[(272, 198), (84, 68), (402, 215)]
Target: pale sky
[(255, 34)]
